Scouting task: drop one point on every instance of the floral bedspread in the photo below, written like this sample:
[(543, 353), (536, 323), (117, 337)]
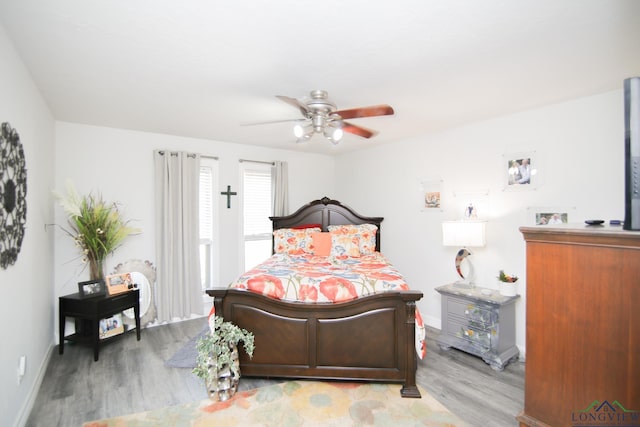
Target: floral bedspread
[(309, 278)]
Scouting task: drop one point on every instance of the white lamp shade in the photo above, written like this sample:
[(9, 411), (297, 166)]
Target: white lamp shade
[(464, 233)]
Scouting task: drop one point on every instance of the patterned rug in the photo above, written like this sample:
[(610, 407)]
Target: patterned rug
[(300, 403)]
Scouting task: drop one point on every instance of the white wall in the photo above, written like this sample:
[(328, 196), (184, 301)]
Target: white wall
[(26, 302), (579, 149), (118, 164)]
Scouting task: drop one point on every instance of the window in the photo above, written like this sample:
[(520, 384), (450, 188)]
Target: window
[(256, 210), (208, 223)]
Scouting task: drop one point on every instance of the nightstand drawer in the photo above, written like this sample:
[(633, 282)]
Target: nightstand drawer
[(116, 303), (478, 338), (479, 316)]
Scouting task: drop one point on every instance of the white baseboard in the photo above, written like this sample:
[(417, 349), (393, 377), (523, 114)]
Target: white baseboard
[(25, 411), (434, 322)]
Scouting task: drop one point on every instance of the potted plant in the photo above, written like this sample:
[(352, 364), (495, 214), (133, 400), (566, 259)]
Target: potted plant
[(508, 284), (217, 361), (96, 226)]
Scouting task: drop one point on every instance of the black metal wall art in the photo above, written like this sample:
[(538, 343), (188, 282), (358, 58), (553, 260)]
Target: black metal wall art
[(13, 195)]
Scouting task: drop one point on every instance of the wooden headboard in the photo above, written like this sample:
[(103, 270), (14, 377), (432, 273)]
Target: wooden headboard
[(325, 212)]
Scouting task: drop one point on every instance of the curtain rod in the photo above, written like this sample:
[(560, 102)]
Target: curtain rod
[(174, 153), (256, 161)]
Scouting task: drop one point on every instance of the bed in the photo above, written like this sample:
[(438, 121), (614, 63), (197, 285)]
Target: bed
[(334, 336)]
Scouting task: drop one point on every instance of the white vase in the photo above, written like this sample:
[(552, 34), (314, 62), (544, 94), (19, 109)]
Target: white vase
[(508, 289)]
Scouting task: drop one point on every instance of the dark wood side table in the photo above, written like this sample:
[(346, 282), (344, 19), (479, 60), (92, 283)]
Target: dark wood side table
[(93, 309)]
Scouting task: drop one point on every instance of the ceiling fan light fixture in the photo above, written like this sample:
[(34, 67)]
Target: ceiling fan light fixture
[(303, 131), (333, 131)]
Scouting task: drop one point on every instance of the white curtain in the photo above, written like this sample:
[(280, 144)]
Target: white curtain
[(178, 289), (280, 187)]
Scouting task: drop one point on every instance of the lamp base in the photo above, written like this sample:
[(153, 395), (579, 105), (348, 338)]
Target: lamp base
[(463, 284)]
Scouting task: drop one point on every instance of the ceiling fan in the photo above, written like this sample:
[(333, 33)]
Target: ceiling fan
[(320, 115)]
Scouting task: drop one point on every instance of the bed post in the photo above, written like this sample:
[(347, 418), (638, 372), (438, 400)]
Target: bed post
[(409, 388), (218, 295)]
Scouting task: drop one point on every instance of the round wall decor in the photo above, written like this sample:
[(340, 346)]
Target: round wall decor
[(143, 274), (13, 195)]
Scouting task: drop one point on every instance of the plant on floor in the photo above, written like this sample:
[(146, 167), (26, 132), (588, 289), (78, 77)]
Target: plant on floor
[(218, 348)]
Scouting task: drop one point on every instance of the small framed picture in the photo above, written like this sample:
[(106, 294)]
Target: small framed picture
[(522, 171), (92, 288), (111, 326), (430, 194), (119, 283), (550, 215), (551, 218)]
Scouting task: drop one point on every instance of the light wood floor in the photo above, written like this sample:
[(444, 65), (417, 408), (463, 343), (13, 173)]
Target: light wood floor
[(131, 377)]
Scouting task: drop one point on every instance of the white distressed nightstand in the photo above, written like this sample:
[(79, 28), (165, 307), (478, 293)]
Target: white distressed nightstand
[(480, 323)]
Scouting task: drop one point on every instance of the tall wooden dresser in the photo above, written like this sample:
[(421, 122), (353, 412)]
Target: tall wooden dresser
[(583, 326)]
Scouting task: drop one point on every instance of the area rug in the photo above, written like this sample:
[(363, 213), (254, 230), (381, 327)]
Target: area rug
[(300, 403), (185, 357)]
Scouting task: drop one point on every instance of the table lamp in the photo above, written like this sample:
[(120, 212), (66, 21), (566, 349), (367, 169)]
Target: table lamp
[(464, 234)]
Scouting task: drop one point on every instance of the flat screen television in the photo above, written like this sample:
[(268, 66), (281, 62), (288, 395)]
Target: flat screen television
[(632, 153)]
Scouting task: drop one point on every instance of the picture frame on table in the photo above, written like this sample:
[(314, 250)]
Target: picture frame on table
[(92, 288), (119, 283), (111, 326), (550, 215)]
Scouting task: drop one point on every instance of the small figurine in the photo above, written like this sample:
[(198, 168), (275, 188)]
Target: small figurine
[(471, 212)]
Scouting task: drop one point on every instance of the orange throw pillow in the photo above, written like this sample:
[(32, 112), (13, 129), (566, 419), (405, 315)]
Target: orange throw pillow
[(321, 243)]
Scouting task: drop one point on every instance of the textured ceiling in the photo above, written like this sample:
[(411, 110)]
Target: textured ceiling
[(202, 68)]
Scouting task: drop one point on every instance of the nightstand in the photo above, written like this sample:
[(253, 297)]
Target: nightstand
[(93, 309), (479, 321)]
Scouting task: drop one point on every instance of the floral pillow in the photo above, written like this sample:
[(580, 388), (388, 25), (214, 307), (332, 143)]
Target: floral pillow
[(345, 245), (365, 233), (293, 241)]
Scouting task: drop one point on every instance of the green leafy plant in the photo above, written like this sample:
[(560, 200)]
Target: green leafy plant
[(96, 227), (219, 345), (507, 278)]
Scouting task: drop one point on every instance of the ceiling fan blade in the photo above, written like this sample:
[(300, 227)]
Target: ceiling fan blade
[(294, 102), (271, 121), (358, 130), (374, 110)]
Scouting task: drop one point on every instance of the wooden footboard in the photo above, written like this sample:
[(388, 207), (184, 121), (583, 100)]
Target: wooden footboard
[(371, 338)]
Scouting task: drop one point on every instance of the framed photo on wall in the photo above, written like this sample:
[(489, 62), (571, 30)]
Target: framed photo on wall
[(92, 288), (431, 195), (521, 170)]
